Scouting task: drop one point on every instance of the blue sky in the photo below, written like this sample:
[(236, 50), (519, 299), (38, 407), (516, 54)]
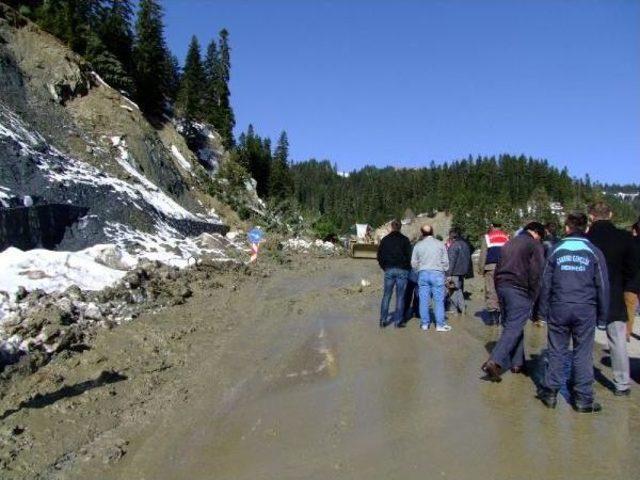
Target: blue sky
[(404, 82)]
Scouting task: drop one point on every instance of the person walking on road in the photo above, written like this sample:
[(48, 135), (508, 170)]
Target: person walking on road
[(459, 261), (394, 257), (518, 283), (574, 298), (431, 261), (619, 252), (490, 249)]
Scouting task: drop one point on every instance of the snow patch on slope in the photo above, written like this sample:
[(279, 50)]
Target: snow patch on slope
[(58, 167), (55, 271), (166, 245), (180, 158), (101, 265)]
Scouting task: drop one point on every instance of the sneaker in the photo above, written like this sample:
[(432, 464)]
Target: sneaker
[(424, 326), (443, 328)]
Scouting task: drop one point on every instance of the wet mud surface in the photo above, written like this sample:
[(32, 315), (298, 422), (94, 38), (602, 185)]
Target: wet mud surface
[(289, 377)]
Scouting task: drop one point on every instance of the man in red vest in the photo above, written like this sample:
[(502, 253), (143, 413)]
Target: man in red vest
[(491, 246)]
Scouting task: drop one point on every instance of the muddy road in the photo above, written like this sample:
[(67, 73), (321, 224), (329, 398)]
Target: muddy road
[(288, 376)]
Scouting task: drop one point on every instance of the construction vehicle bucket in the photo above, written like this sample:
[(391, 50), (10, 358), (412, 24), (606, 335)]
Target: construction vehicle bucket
[(363, 250)]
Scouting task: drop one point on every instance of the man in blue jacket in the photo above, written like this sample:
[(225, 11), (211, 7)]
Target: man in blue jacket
[(574, 298)]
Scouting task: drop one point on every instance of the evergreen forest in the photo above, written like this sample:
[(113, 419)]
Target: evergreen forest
[(125, 43)]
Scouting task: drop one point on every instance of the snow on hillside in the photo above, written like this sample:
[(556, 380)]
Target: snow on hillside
[(62, 178), (58, 167), (180, 158), (53, 271), (146, 188)]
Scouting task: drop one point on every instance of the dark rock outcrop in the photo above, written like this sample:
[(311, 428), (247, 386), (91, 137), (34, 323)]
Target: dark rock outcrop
[(38, 226), (70, 139)]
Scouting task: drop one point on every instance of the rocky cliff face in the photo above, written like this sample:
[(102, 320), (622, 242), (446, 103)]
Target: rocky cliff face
[(66, 137), (83, 172)]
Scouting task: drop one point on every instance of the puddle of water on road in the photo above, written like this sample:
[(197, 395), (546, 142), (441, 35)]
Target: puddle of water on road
[(315, 360)]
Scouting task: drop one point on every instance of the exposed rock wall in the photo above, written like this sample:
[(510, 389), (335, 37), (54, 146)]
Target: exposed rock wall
[(38, 226), (69, 138)]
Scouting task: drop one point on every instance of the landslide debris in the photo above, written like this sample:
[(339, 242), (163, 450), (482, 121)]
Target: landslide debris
[(42, 325)]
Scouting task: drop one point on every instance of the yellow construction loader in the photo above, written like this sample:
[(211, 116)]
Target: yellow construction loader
[(363, 244)]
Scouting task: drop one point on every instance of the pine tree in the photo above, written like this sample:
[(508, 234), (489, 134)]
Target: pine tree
[(254, 154), (212, 94), (150, 56), (192, 85), (172, 76), (107, 65), (69, 20), (113, 26), (224, 119), (280, 180)]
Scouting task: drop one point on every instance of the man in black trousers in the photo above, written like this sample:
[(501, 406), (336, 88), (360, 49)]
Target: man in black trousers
[(394, 257), (518, 283), (573, 300)]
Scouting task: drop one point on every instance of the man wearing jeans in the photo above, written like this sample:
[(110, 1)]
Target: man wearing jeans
[(431, 261), (394, 257)]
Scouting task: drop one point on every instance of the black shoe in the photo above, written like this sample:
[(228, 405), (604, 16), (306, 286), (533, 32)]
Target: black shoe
[(594, 407), (548, 397), (382, 324), (493, 371), (400, 324), (622, 393)]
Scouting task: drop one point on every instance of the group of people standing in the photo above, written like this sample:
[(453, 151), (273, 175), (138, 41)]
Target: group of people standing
[(435, 269), (588, 279)]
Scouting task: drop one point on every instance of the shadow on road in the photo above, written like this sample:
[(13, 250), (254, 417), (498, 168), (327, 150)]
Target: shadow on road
[(44, 400)]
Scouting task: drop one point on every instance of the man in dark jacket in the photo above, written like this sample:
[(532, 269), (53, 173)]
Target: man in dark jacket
[(459, 261), (518, 283), (618, 250), (574, 298), (394, 257)]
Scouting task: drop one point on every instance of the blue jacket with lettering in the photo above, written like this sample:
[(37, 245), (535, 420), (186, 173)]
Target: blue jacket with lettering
[(575, 272)]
